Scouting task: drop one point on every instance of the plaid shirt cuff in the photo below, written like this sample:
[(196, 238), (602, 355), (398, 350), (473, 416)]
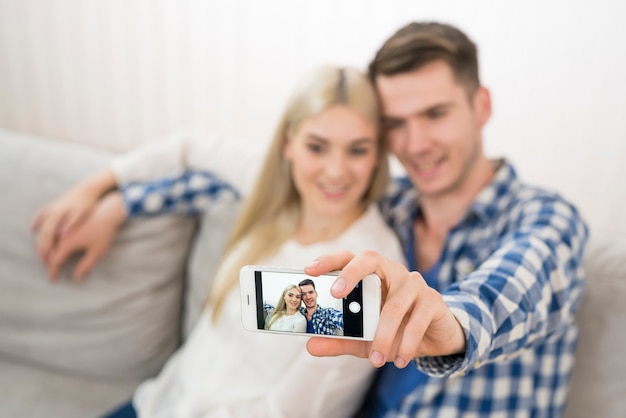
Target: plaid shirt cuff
[(191, 193), (478, 328)]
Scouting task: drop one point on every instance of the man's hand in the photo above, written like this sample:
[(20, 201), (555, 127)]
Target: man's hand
[(93, 237), (414, 320), (60, 216)]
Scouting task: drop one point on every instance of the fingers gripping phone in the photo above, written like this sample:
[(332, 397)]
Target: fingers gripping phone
[(288, 301)]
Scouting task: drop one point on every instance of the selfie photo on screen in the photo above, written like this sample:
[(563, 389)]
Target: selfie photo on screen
[(298, 303)]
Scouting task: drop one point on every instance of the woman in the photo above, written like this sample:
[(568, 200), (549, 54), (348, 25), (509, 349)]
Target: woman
[(315, 194), (287, 315)]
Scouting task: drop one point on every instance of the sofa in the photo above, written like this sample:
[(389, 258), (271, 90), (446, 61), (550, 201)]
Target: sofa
[(77, 349)]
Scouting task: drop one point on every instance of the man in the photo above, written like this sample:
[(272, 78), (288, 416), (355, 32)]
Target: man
[(482, 321), (326, 321)]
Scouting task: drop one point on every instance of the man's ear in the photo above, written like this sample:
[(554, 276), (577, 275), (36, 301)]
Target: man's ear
[(482, 104)]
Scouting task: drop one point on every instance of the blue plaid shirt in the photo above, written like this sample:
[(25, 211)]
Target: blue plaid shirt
[(325, 320), (189, 193), (511, 273)]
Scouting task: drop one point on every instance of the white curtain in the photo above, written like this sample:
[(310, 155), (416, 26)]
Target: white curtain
[(118, 73)]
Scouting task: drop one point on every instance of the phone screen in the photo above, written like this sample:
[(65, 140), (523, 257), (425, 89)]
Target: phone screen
[(284, 300)]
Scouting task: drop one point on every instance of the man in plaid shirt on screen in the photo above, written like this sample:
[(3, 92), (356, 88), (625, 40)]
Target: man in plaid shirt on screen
[(319, 320), (482, 321)]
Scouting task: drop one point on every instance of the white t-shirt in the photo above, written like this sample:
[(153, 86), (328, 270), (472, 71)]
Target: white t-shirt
[(291, 323), (225, 371)]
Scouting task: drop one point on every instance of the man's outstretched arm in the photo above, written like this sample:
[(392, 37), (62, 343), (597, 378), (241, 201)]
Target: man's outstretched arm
[(525, 292)]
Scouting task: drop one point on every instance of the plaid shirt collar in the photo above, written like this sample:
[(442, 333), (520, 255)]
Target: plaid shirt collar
[(497, 195), (401, 204)]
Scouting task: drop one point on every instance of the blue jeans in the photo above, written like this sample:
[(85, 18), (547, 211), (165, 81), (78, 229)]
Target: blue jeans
[(125, 411)]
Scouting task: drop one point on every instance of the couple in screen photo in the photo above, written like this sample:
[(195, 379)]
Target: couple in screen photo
[(290, 315)]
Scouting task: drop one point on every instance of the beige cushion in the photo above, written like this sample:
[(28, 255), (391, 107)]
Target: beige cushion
[(123, 322), (212, 234), (27, 391), (599, 385)]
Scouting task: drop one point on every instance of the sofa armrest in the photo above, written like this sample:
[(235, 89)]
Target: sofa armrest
[(598, 388), (123, 321)]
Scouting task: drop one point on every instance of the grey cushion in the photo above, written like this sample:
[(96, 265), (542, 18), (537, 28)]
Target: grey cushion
[(119, 325), (206, 254), (598, 387), (27, 391)]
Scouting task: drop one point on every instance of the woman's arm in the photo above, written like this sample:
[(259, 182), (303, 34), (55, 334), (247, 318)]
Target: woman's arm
[(234, 161)]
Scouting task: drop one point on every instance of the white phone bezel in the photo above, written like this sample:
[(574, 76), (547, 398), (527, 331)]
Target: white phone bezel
[(371, 301)]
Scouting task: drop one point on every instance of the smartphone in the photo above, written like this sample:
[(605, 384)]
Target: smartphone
[(277, 300)]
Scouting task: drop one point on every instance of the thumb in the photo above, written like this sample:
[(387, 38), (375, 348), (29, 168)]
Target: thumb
[(332, 262), (326, 347)]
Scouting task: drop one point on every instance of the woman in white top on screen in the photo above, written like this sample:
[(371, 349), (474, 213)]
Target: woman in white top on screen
[(287, 316)]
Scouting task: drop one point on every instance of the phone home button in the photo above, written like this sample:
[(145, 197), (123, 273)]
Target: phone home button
[(354, 307)]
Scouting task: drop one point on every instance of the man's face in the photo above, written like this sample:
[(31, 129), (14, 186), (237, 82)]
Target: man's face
[(309, 296), (434, 127)]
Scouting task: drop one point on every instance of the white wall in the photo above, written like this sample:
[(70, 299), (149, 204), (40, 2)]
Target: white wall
[(119, 73)]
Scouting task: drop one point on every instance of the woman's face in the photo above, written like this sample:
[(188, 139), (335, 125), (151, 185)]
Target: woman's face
[(333, 155), (292, 298)]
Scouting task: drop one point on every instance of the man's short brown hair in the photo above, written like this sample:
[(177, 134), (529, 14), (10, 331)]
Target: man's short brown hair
[(420, 43), (307, 282)]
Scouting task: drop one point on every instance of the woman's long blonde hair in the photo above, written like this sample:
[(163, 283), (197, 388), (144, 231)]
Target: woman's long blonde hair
[(271, 214), (281, 306)]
